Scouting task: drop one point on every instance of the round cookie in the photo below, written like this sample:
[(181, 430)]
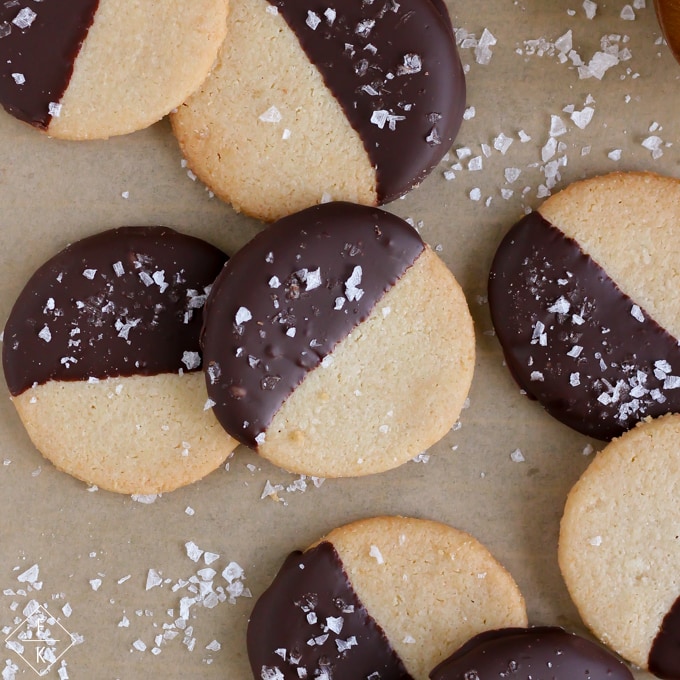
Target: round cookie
[(102, 360), (582, 297), (526, 653), (336, 343), (91, 69), (619, 551), (385, 597), (310, 103)]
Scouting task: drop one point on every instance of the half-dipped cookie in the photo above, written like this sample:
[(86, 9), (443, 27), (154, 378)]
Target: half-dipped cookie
[(582, 296), (385, 597), (101, 356), (337, 343), (619, 547), (91, 69), (530, 654), (310, 102)]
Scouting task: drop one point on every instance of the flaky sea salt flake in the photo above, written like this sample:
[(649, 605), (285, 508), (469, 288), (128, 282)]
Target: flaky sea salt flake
[(313, 20), (242, 315), (582, 118), (637, 314), (627, 13), (25, 18), (271, 115), (376, 554)]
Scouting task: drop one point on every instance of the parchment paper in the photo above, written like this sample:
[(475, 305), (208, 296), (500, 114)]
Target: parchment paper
[(112, 569)]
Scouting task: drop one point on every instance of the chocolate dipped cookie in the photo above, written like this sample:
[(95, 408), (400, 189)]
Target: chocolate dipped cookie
[(102, 360), (337, 343), (385, 597), (310, 103), (619, 550), (582, 298), (91, 69), (528, 654)]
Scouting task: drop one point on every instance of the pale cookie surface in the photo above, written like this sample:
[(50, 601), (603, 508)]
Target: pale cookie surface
[(619, 551), (387, 595), (101, 358), (91, 69), (580, 294), (307, 103), (337, 343)]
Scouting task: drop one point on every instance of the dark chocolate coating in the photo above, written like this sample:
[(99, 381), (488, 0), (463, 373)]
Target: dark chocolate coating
[(396, 57), (542, 653), (570, 338), (43, 53), (310, 617), (664, 655), (123, 302), (267, 325)]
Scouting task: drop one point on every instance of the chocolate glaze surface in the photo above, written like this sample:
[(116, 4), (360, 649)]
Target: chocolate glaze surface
[(664, 655), (573, 340), (395, 70), (123, 302), (531, 654), (286, 299), (39, 43), (311, 618)]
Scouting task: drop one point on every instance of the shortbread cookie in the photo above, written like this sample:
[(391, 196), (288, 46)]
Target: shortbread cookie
[(86, 69), (386, 597), (101, 357), (337, 343), (619, 550), (355, 102), (526, 653), (582, 296)]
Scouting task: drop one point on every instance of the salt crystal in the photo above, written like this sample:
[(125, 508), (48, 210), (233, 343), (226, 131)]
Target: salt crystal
[(89, 273), (475, 164), (483, 52), (376, 554), (557, 126), (271, 115), (590, 8), (516, 456), (191, 360), (627, 13), (194, 553), (242, 315), (19, 78), (312, 20), (637, 314), (153, 579), (582, 118), (25, 18), (502, 143)]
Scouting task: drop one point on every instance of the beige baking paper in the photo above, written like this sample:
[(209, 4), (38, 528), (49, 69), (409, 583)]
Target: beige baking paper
[(119, 572)]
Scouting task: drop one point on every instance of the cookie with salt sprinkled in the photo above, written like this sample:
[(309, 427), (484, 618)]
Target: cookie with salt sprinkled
[(619, 548), (581, 293), (337, 343), (384, 597), (102, 360), (308, 102), (91, 69), (525, 653)]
